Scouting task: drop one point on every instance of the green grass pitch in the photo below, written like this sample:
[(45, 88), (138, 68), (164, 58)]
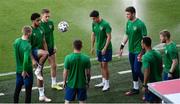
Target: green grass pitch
[(157, 15)]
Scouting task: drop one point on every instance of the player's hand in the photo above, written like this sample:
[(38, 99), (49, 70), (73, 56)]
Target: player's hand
[(24, 74), (55, 50), (64, 85), (34, 63), (144, 89), (92, 51), (120, 52), (103, 51), (170, 76), (139, 57)]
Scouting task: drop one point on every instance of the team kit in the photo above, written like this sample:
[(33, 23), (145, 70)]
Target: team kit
[(36, 46)]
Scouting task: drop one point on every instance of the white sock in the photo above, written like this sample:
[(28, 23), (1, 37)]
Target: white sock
[(39, 68), (103, 80), (106, 82), (41, 91), (136, 85), (53, 80)]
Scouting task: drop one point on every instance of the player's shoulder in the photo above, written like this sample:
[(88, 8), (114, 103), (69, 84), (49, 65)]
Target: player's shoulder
[(147, 55), (50, 21), (140, 21), (85, 56), (17, 40), (157, 53), (104, 22), (69, 55)]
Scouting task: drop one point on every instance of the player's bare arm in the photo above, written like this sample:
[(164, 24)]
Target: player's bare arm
[(108, 40), (65, 74), (92, 42), (124, 41)]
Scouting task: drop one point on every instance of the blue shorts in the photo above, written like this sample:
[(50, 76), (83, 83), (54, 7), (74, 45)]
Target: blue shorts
[(165, 76), (27, 81), (150, 97), (104, 58), (51, 51), (35, 54), (71, 93)]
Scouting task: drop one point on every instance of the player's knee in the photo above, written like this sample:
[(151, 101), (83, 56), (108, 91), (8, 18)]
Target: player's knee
[(45, 54), (54, 66)]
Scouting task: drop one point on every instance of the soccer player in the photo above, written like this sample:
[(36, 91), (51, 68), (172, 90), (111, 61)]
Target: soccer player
[(24, 70), (135, 30), (170, 57), (101, 34), (152, 68), (39, 52), (76, 75), (49, 28)]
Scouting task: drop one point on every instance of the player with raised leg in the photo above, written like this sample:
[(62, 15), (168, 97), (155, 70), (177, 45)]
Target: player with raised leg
[(39, 52)]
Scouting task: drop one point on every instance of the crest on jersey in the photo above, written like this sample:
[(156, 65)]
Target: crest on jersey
[(101, 28), (134, 28), (41, 31), (50, 26), (166, 51), (34, 34)]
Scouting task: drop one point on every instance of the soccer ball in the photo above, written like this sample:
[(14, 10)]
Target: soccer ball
[(63, 26)]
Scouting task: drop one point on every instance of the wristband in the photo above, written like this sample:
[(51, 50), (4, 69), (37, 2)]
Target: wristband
[(122, 46), (170, 72)]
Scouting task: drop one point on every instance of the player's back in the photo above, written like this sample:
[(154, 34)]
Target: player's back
[(77, 63), (154, 59)]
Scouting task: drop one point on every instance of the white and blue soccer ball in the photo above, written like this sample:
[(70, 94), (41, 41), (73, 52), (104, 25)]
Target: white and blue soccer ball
[(63, 26)]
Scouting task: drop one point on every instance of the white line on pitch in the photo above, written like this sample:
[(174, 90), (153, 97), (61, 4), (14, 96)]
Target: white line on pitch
[(124, 72), (93, 77), (2, 94), (47, 67)]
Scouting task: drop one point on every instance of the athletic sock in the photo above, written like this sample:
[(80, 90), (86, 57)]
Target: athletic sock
[(136, 85), (41, 91), (39, 67), (103, 80), (53, 80)]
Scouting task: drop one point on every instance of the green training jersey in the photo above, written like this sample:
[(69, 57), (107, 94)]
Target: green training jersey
[(135, 32), (36, 38), (48, 28), (101, 30), (170, 53), (76, 64), (23, 55), (153, 60)]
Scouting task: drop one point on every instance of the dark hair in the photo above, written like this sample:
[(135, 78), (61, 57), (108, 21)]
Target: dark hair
[(147, 41), (77, 44), (165, 33), (34, 16), (45, 10), (130, 9), (94, 13)]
